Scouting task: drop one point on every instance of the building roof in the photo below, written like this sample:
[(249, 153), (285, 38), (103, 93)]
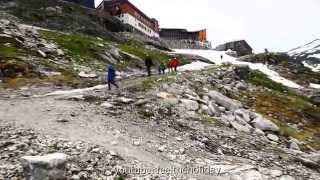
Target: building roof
[(132, 5)]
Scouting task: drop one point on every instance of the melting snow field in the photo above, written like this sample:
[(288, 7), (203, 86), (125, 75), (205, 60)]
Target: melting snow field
[(76, 91), (215, 56), (315, 86), (315, 56), (313, 68), (194, 66)]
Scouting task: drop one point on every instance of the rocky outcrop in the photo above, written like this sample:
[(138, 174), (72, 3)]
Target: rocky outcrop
[(224, 101), (51, 166), (264, 124), (64, 16)]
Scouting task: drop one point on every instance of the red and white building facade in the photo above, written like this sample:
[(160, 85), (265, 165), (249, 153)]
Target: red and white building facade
[(129, 14)]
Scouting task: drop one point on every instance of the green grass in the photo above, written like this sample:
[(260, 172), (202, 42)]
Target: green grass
[(81, 48), (260, 79), (7, 51)]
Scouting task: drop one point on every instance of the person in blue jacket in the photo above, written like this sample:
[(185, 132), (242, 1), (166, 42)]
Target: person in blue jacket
[(111, 76)]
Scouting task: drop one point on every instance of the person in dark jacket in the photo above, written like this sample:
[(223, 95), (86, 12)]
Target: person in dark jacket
[(111, 76), (148, 62)]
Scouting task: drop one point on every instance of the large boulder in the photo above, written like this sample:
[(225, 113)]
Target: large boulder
[(224, 101), (213, 110), (242, 115), (48, 167), (238, 124), (264, 124), (242, 72), (190, 104)]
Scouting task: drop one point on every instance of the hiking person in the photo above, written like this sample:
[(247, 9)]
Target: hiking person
[(148, 62), (111, 75), (162, 67), (159, 69), (221, 57), (174, 64)]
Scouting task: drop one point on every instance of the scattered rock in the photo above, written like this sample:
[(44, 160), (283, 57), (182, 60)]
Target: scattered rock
[(258, 131), (43, 54), (62, 120), (106, 105), (126, 100), (241, 127), (287, 177), (273, 137), (162, 148), (242, 115), (275, 173), (213, 110), (293, 145)]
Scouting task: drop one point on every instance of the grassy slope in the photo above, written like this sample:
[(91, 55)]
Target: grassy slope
[(284, 106), (81, 49), (84, 49)]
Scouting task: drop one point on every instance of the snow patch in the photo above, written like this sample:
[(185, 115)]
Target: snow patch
[(315, 56), (215, 56), (85, 75), (76, 91), (315, 68), (194, 66), (315, 86)]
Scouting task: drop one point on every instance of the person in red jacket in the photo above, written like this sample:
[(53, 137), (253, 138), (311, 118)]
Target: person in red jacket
[(174, 63)]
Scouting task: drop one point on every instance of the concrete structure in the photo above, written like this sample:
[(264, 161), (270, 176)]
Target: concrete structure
[(241, 47), (183, 39), (183, 34), (129, 14)]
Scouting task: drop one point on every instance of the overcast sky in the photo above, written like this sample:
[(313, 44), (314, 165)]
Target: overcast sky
[(278, 25)]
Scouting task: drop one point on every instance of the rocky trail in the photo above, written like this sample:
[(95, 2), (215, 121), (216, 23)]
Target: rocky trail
[(148, 132)]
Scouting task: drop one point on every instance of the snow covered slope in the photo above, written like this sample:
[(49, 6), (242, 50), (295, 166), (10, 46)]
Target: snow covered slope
[(311, 49), (309, 54), (215, 56)]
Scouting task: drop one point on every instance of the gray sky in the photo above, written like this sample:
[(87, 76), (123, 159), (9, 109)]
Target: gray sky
[(278, 25)]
